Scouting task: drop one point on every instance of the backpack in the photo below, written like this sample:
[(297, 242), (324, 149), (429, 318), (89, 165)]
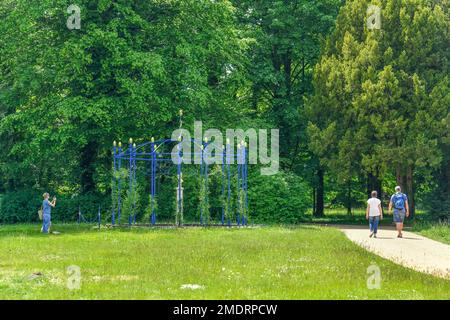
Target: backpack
[(399, 201)]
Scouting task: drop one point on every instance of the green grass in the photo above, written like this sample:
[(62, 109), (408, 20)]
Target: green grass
[(307, 262), (434, 230)]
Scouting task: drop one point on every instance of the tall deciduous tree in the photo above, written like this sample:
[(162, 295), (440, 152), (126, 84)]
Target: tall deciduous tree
[(286, 46), (65, 95)]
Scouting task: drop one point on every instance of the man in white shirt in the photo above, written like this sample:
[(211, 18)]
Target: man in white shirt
[(374, 213)]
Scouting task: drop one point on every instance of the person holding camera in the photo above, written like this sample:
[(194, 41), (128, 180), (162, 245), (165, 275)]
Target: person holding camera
[(46, 212)]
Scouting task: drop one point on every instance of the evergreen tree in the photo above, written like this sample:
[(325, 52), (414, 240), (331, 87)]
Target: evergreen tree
[(380, 95)]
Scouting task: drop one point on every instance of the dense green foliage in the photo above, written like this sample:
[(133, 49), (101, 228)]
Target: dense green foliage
[(278, 198), (22, 206), (127, 72), (357, 109)]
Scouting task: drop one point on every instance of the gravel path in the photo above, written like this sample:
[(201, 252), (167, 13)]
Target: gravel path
[(412, 251)]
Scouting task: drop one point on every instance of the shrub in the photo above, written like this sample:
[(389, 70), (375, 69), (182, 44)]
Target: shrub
[(438, 205), (152, 206), (22, 206), (131, 205), (280, 198)]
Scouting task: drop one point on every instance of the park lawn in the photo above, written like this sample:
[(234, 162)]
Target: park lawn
[(306, 262), (436, 231)]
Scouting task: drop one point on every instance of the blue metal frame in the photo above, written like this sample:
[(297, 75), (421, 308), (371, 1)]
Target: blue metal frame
[(138, 153)]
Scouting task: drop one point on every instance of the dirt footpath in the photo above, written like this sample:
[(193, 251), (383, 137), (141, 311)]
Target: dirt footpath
[(412, 251)]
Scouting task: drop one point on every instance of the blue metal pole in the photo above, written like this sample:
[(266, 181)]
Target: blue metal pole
[(99, 218), (229, 185), (119, 196), (244, 186), (238, 216), (223, 186), (208, 218), (155, 164), (153, 184), (130, 183), (113, 218), (134, 184), (178, 209), (201, 177)]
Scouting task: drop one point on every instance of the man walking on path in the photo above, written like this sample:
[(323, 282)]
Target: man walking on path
[(399, 201)]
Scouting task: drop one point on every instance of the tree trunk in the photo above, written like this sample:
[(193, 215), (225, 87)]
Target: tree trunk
[(373, 184), (349, 198), (314, 201), (410, 190), (404, 177), (379, 188), (445, 180), (320, 194), (400, 177), (88, 156)]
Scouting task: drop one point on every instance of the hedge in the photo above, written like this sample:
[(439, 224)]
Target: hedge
[(281, 198), (22, 206)]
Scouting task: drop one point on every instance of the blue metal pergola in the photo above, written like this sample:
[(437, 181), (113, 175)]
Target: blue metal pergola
[(153, 155)]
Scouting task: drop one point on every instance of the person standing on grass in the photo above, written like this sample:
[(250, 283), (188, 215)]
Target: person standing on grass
[(374, 213), (46, 212), (399, 201)]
